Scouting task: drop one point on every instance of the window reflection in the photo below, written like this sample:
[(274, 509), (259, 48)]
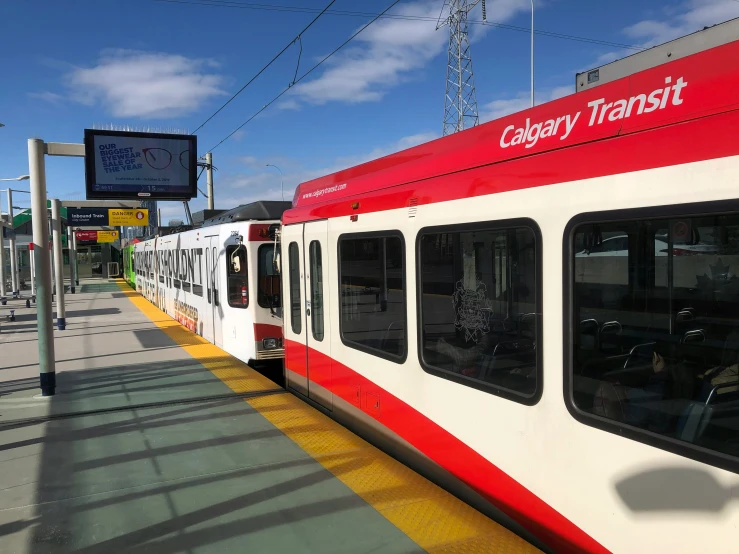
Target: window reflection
[(479, 306), (657, 338)]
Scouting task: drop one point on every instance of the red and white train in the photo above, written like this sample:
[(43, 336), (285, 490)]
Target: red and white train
[(219, 280), (542, 312)]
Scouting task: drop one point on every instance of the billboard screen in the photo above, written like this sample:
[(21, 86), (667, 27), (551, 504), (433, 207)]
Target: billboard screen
[(154, 166)]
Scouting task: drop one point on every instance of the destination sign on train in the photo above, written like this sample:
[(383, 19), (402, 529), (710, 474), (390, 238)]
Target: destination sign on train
[(125, 165), (103, 217)]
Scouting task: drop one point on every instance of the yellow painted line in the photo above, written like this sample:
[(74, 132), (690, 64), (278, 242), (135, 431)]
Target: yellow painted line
[(437, 521)]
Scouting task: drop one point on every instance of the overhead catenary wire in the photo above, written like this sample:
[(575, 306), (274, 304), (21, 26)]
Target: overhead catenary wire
[(304, 75), (288, 45), (348, 13)]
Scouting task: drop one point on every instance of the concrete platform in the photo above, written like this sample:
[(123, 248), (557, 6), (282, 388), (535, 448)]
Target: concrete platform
[(157, 441)]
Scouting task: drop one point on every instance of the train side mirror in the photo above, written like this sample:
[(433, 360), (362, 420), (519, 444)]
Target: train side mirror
[(276, 265), (236, 264)]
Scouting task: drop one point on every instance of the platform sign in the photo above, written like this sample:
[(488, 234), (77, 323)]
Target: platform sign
[(107, 236), (95, 237), (86, 236), (153, 166), (107, 217)]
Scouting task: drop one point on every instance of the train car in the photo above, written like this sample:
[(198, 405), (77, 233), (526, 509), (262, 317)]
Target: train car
[(542, 312), (220, 280), (129, 273)]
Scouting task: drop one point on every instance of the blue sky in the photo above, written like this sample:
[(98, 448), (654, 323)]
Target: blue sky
[(165, 65)]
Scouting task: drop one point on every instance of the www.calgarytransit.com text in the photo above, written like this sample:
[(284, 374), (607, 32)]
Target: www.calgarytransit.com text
[(327, 190)]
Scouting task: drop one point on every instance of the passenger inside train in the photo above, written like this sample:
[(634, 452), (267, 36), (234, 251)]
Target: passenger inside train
[(657, 315)]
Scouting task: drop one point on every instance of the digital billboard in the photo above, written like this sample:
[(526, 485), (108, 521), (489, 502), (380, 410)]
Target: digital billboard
[(121, 165)]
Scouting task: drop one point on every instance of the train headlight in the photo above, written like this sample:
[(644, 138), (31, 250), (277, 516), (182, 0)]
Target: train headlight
[(269, 344)]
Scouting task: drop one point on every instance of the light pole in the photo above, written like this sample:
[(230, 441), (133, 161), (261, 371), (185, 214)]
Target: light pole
[(11, 238), (532, 53), (282, 178)]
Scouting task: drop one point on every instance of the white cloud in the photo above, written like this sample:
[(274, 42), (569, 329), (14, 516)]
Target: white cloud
[(521, 101), (686, 18), (47, 96), (238, 135), (263, 183), (145, 84), (389, 52), (689, 17)]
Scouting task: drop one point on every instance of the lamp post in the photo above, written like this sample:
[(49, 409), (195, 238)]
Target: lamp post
[(532, 53), (11, 237), (282, 178)]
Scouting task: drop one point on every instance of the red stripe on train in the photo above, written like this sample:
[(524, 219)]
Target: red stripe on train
[(452, 454), (708, 83), (698, 140), (265, 330)]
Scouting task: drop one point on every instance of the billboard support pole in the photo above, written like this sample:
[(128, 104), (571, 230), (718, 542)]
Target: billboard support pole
[(40, 224), (56, 222)]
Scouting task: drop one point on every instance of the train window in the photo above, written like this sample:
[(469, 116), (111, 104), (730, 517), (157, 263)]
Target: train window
[(654, 336), (236, 276), (316, 291), (479, 321), (268, 291), (372, 296), (296, 319)]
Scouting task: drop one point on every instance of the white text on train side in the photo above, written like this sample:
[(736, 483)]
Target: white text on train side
[(621, 109), (562, 126)]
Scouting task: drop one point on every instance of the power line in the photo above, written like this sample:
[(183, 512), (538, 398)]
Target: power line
[(266, 66), (347, 13), (304, 75)]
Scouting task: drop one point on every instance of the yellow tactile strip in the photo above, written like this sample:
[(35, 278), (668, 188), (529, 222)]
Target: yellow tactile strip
[(437, 521)]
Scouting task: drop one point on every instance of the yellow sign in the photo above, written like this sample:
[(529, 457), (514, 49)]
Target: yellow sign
[(136, 217), (107, 236)]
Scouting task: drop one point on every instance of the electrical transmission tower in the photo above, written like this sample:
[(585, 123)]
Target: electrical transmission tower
[(460, 105)]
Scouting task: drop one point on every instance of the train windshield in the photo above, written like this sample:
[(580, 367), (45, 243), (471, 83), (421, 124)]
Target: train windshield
[(268, 291)]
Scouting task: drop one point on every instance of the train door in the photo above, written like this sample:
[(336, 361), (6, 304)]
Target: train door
[(306, 327), (318, 335), (213, 296)]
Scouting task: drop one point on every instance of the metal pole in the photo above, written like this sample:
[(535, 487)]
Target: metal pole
[(56, 221), (2, 259), (282, 180), (72, 256), (532, 53), (11, 243), (33, 272), (209, 173), (74, 260), (40, 222)]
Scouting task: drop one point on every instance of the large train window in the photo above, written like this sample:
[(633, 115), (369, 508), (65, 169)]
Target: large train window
[(372, 297), (654, 336), (268, 288), (236, 276), (296, 319), (480, 303)]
